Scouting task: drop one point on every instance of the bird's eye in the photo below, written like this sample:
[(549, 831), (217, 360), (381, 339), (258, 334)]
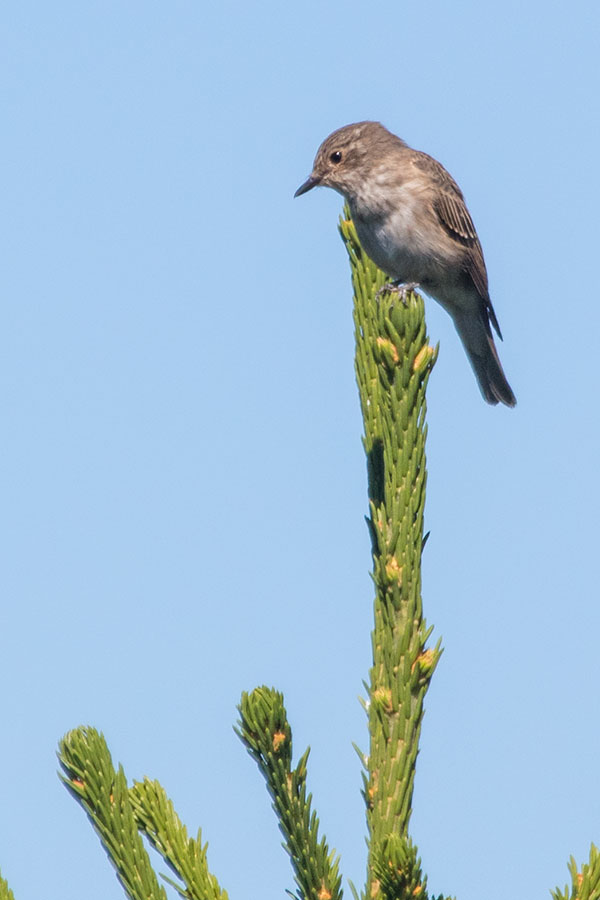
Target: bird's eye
[(336, 156)]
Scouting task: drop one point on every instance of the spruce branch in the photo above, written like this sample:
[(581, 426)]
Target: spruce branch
[(393, 364), (265, 731), (5, 891), (90, 777), (585, 884), (186, 857)]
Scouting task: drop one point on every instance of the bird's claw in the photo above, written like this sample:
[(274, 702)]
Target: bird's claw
[(396, 287)]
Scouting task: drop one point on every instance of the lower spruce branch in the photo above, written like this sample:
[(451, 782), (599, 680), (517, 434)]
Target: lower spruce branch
[(585, 882), (266, 733), (5, 891), (120, 816), (186, 856), (89, 775)]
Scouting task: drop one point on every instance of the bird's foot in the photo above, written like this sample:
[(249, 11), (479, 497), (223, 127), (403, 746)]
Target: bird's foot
[(396, 287)]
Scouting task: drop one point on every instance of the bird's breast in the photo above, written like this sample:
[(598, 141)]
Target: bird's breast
[(400, 234)]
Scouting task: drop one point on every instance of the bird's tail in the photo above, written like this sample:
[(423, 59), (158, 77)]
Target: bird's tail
[(476, 335)]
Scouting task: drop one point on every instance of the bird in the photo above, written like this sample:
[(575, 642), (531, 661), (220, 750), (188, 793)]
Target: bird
[(412, 221)]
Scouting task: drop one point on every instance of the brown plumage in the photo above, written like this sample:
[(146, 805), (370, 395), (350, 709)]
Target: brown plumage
[(412, 220)]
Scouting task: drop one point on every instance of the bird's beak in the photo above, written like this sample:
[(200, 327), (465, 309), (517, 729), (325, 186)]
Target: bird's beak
[(311, 182)]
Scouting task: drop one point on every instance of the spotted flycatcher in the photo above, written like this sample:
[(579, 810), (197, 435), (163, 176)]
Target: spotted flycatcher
[(412, 220)]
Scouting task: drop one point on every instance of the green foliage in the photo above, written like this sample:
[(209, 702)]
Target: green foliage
[(5, 891), (266, 733), (120, 815), (397, 868), (90, 777), (585, 884), (393, 364), (186, 857)]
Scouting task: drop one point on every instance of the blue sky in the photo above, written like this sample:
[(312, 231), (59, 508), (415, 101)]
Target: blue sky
[(182, 479)]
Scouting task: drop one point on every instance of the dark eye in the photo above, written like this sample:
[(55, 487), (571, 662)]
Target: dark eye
[(336, 156)]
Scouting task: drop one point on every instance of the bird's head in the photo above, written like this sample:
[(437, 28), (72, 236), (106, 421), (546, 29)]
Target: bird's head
[(345, 159)]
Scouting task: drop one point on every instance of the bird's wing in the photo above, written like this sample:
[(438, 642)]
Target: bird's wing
[(451, 209)]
